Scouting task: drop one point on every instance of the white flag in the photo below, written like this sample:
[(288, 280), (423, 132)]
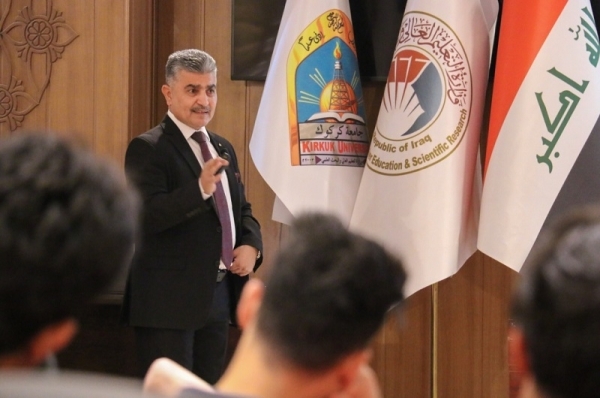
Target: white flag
[(543, 152), (420, 191), (310, 140)]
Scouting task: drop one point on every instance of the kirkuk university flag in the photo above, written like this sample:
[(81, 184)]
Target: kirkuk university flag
[(310, 139), (543, 152), (420, 191)]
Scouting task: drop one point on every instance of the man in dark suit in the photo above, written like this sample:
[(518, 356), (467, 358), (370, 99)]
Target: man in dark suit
[(185, 280)]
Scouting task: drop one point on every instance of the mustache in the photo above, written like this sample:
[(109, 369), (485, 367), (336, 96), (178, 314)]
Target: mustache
[(201, 108)]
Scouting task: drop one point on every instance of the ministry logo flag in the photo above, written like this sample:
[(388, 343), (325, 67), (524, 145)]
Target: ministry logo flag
[(543, 152), (310, 139), (420, 191)]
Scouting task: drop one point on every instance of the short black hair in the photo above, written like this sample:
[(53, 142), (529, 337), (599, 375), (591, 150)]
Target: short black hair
[(557, 306), (328, 293), (68, 224)]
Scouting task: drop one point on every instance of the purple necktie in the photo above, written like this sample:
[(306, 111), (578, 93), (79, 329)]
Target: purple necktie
[(222, 208)]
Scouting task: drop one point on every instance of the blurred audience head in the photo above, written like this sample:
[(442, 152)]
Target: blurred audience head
[(328, 293), (555, 342), (68, 225)]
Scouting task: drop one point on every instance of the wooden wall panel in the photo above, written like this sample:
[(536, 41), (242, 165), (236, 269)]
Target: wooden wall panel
[(472, 306), (163, 46), (71, 93), (88, 93), (34, 80), (111, 100), (189, 25), (142, 69), (459, 331), (5, 74), (403, 350), (498, 282), (23, 77)]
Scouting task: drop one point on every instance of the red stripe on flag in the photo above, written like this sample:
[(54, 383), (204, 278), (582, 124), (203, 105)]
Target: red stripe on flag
[(519, 42)]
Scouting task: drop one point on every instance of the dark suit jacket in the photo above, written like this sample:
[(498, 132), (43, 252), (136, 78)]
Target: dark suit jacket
[(174, 271)]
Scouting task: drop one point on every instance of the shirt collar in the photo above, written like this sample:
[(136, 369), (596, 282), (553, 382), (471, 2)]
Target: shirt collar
[(186, 130)]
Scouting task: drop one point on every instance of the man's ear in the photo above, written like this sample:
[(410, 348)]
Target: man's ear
[(517, 351), (250, 301), (349, 367), (50, 340), (166, 91)]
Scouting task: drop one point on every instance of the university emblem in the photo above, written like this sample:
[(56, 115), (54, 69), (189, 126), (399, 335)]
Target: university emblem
[(325, 103), (426, 103)]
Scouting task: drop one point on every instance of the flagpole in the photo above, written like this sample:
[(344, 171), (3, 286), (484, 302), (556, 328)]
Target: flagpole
[(434, 342)]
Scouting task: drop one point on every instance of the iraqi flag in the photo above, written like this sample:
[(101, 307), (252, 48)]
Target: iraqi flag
[(420, 191), (543, 152), (310, 139)]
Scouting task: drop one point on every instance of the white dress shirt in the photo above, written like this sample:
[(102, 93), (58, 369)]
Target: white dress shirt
[(187, 132)]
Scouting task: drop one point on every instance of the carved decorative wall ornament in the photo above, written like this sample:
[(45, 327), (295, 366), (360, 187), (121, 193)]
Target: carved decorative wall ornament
[(30, 42)]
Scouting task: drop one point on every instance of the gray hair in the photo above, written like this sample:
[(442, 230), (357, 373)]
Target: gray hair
[(190, 60)]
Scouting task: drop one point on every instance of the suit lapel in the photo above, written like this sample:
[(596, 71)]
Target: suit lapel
[(181, 145)]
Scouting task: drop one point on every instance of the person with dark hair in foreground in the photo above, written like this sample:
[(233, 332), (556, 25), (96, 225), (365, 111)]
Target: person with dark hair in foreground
[(555, 341), (307, 333), (68, 225)]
